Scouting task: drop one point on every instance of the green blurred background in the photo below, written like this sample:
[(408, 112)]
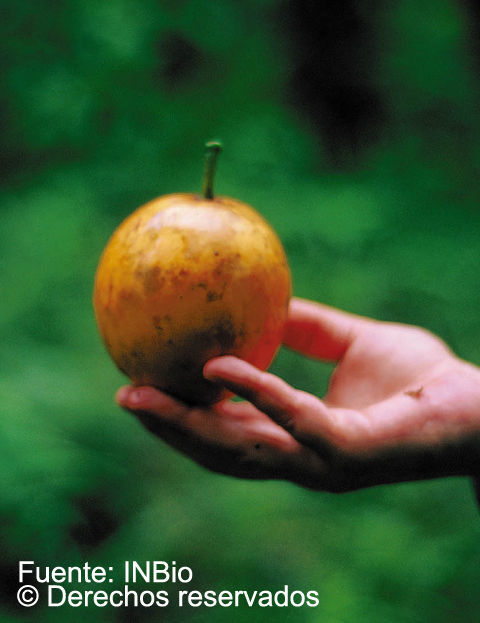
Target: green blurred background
[(354, 128)]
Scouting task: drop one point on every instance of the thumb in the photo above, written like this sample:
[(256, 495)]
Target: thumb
[(320, 331)]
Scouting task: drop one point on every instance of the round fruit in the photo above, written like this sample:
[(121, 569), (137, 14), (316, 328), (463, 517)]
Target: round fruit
[(186, 278)]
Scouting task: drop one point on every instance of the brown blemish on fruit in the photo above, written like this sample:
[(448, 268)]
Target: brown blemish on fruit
[(153, 279), (137, 354), (224, 333), (213, 296), (181, 361), (126, 364), (227, 265), (127, 295), (241, 332), (178, 279), (188, 356)]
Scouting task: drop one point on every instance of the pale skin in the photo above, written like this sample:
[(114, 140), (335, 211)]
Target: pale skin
[(400, 406)]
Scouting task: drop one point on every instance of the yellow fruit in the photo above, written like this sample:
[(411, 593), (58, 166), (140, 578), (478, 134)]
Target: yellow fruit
[(186, 278)]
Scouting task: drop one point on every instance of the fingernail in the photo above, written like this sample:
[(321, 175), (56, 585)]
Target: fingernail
[(122, 395), (212, 377), (135, 397), (208, 375)]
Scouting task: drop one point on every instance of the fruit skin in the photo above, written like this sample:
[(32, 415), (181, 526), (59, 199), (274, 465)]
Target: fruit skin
[(184, 279)]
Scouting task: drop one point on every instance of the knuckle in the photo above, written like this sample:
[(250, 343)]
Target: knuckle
[(291, 410), (287, 421)]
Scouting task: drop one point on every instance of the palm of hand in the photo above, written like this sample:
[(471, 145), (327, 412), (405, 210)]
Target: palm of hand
[(383, 419), (410, 405), (383, 360)]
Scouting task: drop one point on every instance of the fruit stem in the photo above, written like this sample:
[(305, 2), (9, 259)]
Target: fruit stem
[(212, 149)]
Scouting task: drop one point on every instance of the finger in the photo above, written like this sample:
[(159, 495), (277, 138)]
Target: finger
[(320, 331), (270, 451), (181, 427), (149, 399), (302, 415), (233, 425), (232, 438), (159, 411)]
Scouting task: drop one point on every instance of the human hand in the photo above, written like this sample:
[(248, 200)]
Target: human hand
[(400, 406)]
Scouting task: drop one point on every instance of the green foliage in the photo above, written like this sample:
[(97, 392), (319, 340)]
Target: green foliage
[(102, 117)]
